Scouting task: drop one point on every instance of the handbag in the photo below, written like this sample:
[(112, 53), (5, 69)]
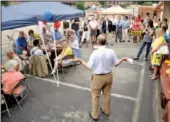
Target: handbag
[(164, 50)]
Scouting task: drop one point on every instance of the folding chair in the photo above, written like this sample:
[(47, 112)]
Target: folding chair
[(3, 102), (25, 65), (22, 95)]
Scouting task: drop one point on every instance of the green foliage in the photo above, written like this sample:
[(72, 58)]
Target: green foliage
[(4, 3), (149, 3), (140, 2), (80, 5), (102, 3)]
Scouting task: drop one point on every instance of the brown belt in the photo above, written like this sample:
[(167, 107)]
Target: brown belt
[(103, 74)]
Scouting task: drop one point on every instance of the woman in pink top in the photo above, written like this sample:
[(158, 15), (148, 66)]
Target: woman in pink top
[(11, 78)]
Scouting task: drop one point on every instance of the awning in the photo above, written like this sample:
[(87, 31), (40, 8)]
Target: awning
[(117, 10), (29, 13)]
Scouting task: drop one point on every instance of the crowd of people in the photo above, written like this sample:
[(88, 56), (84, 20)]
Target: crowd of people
[(154, 32), (35, 49), (155, 35)]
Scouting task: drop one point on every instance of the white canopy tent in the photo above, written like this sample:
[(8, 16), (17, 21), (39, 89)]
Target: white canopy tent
[(117, 10)]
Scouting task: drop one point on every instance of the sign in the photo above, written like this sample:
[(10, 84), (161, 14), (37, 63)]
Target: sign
[(136, 32)]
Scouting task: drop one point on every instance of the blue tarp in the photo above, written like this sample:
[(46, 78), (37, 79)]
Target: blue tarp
[(29, 13)]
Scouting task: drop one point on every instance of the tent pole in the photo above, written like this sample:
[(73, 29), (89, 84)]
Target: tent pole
[(55, 49), (42, 38)]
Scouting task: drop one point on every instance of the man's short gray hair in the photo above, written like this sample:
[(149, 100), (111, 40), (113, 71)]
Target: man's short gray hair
[(11, 65)]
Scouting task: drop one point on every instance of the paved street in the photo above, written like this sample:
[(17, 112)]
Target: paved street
[(133, 94)]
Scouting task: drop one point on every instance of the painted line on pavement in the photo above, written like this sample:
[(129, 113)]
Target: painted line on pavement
[(136, 110), (84, 88), (157, 100)]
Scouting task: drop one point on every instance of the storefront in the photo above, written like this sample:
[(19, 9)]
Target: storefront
[(164, 9)]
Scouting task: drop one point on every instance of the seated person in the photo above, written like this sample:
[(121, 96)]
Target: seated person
[(32, 36), (56, 35), (47, 37), (24, 57), (21, 43), (11, 78), (12, 56), (36, 49), (67, 51), (38, 65)]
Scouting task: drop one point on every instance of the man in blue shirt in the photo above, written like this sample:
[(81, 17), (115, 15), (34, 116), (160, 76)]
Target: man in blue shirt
[(21, 43), (119, 29), (125, 28), (56, 34)]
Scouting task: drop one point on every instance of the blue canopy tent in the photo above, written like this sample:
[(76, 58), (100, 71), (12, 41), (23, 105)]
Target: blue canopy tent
[(29, 13)]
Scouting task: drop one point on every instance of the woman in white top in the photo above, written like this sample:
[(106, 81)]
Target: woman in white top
[(74, 43)]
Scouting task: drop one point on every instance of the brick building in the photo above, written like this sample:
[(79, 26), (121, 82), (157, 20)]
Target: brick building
[(143, 10)]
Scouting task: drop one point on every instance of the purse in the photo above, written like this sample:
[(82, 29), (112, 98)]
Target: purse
[(164, 50)]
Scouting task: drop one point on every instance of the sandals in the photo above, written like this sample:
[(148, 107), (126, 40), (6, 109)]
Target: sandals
[(154, 78), (92, 117), (103, 112)]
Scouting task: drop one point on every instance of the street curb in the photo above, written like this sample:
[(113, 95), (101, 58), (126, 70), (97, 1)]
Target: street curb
[(158, 109)]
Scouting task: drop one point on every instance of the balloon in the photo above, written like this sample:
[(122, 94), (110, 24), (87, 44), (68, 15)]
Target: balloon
[(48, 15), (44, 23), (57, 24)]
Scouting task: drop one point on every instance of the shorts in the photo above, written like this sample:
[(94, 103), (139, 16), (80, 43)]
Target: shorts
[(156, 59), (67, 62), (93, 33), (86, 36)]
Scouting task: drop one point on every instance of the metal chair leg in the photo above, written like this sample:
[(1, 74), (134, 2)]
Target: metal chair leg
[(6, 106), (18, 103)]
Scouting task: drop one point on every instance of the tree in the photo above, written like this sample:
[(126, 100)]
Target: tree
[(102, 3), (4, 3), (145, 2), (149, 3), (80, 5)]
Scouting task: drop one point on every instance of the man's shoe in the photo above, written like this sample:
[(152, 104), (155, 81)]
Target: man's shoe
[(92, 117), (103, 112), (136, 58), (128, 40), (146, 59), (123, 41)]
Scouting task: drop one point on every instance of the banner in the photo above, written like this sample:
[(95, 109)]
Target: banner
[(136, 32)]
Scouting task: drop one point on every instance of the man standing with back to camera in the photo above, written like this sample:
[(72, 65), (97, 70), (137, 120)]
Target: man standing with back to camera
[(101, 63)]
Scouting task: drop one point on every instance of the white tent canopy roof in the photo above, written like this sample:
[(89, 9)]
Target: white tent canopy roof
[(115, 10)]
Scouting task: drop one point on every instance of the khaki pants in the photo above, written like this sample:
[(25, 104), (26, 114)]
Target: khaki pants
[(125, 35), (109, 37), (101, 83)]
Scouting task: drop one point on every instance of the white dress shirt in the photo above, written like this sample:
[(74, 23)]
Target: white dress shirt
[(37, 51), (93, 24), (102, 60), (107, 22)]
